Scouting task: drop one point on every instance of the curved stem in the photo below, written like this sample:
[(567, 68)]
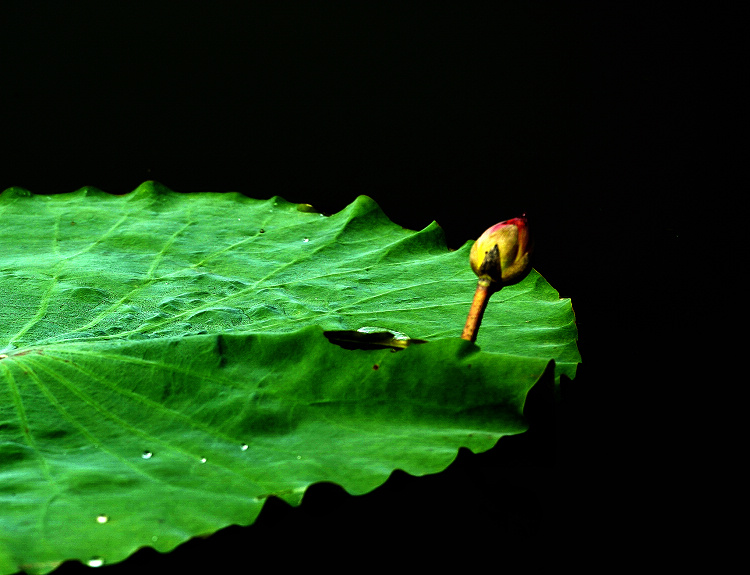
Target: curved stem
[(476, 311)]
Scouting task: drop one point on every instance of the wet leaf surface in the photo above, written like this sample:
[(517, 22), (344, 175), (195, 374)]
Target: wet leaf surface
[(164, 365)]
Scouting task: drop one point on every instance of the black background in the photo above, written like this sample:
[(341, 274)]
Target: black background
[(466, 113)]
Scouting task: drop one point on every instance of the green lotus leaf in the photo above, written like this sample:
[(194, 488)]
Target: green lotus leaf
[(166, 363)]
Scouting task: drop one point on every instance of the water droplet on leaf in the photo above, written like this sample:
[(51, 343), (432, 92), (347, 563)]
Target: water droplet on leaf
[(102, 518), (306, 240), (147, 455), (370, 338), (95, 562), (393, 332), (203, 459), (243, 447)]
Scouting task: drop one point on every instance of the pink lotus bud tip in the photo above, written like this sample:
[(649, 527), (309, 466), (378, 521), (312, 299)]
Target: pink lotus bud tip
[(501, 254)]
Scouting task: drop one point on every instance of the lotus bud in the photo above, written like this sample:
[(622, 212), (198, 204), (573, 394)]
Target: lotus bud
[(502, 252), (499, 257)]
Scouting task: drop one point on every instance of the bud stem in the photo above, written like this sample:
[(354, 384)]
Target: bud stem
[(476, 311)]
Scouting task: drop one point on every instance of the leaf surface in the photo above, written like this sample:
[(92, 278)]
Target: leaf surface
[(163, 367)]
